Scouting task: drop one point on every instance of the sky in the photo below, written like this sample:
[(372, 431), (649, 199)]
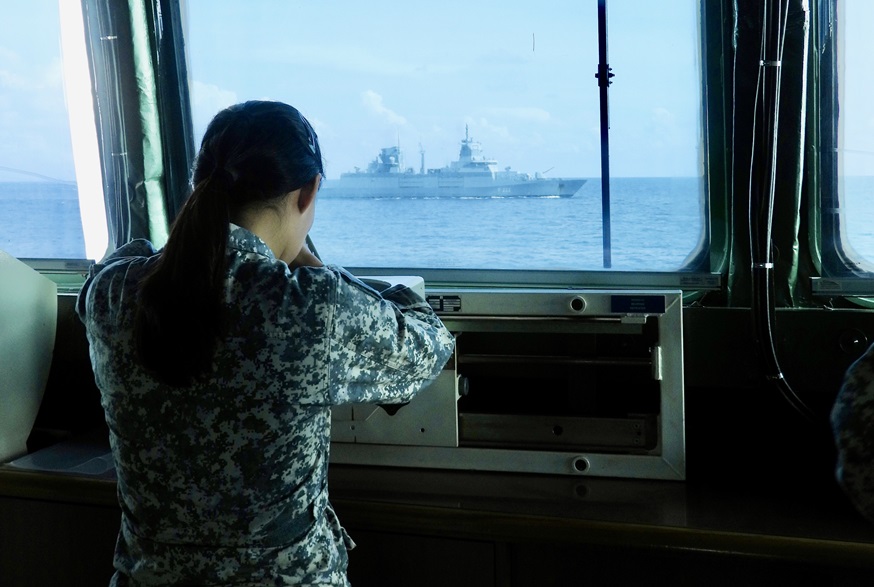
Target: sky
[(856, 103), (34, 127), (368, 75), (521, 77)]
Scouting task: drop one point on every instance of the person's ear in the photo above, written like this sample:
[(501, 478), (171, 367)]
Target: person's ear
[(307, 195)]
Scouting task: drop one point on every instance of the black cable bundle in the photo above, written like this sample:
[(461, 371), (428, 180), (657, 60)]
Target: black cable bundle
[(763, 166)]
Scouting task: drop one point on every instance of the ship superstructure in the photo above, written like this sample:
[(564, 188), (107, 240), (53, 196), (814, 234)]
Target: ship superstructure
[(472, 175)]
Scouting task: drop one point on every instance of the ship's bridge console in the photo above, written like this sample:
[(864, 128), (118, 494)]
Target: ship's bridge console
[(558, 381)]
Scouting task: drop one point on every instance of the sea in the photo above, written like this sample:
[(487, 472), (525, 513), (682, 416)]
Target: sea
[(654, 225), (41, 219)]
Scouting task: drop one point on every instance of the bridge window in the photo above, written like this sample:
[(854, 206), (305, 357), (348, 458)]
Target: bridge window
[(855, 84), (48, 146), (844, 167), (515, 84)]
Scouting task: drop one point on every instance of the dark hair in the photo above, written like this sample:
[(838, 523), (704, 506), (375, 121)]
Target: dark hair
[(252, 155)]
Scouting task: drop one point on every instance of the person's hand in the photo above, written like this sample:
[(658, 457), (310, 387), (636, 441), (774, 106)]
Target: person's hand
[(305, 258)]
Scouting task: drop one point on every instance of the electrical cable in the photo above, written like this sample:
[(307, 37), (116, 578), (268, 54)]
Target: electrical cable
[(761, 218)]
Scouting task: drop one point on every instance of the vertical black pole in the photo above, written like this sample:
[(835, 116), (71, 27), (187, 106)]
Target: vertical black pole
[(604, 76)]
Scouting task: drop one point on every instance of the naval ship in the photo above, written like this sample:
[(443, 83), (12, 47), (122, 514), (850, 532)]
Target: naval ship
[(473, 175)]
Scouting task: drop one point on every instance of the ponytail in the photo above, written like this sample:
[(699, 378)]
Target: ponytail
[(180, 318)]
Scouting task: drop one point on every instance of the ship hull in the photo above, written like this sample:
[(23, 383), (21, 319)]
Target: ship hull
[(364, 185)]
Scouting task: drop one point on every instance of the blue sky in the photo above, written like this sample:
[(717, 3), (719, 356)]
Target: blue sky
[(33, 115), (370, 75), (856, 102)]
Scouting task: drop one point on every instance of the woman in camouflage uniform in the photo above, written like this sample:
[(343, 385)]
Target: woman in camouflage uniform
[(853, 425), (219, 357)]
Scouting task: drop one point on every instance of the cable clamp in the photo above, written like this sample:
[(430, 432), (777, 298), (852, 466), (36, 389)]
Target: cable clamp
[(777, 377), (763, 265), (769, 63)]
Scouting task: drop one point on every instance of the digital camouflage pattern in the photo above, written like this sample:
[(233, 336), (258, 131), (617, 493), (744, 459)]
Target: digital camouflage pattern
[(225, 482), (853, 425)]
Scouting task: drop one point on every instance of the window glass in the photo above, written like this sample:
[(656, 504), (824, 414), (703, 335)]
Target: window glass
[(39, 196), (856, 126), (463, 134)]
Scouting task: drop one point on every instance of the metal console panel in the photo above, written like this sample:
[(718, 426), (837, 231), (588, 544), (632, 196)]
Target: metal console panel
[(555, 381)]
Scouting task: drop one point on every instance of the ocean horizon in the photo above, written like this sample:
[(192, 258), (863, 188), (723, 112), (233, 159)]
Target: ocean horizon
[(655, 224)]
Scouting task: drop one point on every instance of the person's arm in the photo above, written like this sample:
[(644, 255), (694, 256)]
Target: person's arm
[(853, 426), (384, 347), (135, 248)]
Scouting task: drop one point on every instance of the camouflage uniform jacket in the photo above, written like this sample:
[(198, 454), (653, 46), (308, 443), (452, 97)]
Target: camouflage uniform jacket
[(853, 425), (225, 482)]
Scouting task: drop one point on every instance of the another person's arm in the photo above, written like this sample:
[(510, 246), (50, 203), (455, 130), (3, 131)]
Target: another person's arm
[(853, 425)]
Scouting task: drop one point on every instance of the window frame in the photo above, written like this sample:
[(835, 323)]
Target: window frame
[(115, 102), (698, 273), (843, 272)]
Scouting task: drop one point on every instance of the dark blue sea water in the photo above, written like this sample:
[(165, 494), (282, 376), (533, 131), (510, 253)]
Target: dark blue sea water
[(655, 224), (41, 220), (858, 215)]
